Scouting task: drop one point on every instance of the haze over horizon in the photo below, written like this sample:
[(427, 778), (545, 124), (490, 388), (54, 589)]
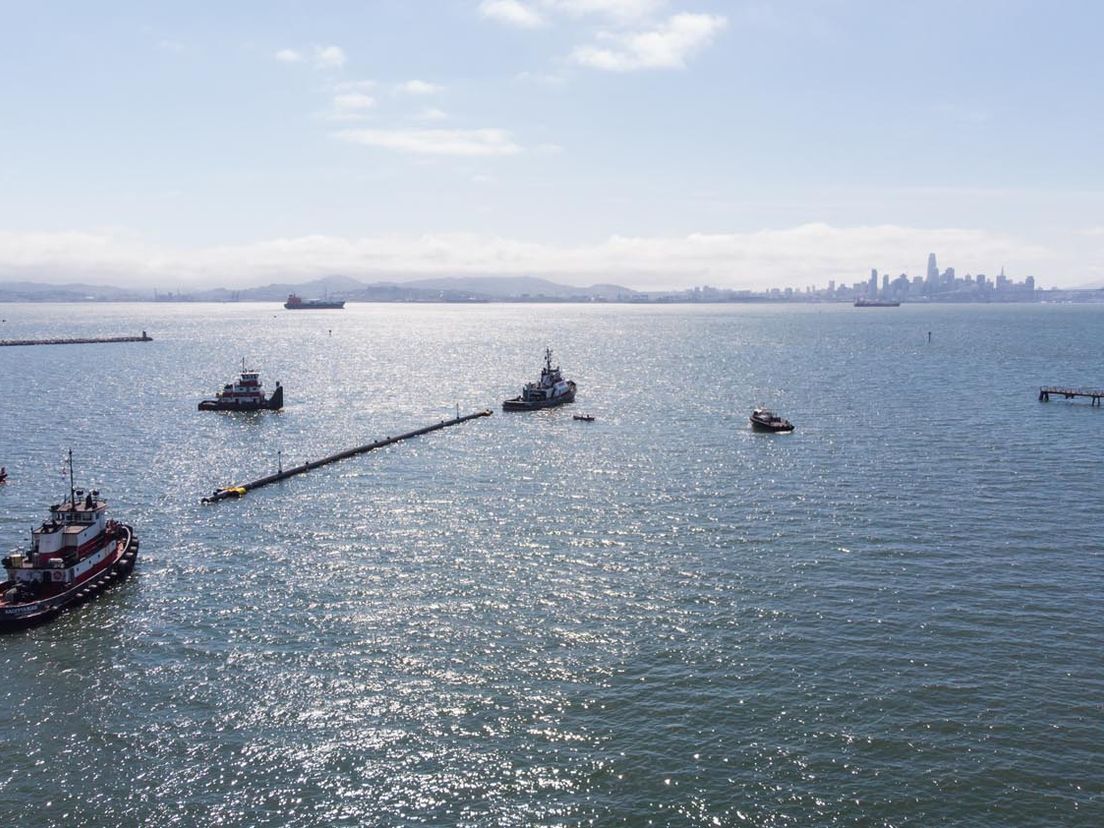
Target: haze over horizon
[(650, 143)]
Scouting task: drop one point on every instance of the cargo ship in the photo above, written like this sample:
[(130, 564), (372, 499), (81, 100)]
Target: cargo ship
[(295, 302), (875, 303), (74, 555)]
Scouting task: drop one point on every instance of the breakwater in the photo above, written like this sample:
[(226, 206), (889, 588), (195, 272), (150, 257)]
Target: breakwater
[(283, 474), (76, 340)]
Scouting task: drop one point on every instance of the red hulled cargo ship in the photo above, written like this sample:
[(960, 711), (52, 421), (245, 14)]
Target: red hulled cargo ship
[(74, 555)]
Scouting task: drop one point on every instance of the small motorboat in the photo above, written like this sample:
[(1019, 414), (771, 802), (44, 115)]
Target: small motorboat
[(584, 418), (764, 420)]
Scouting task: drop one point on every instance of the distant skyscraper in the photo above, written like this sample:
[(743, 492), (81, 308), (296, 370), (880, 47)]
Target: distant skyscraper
[(933, 269)]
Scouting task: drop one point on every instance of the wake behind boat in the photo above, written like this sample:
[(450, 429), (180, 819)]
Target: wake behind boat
[(550, 390), (75, 555), (247, 394)]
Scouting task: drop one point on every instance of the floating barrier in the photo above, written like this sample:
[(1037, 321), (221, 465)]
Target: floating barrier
[(240, 490)]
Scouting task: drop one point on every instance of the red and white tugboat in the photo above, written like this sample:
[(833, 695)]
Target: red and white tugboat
[(247, 394), (75, 555)]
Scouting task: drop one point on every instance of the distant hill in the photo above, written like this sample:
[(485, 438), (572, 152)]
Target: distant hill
[(448, 289), (73, 292), (517, 287)]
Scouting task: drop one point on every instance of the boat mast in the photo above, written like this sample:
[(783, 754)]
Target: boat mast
[(72, 485)]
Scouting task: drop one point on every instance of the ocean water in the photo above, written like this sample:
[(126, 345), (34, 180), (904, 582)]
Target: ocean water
[(891, 617)]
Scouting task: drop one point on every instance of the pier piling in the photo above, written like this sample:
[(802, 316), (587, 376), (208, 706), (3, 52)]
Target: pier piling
[(284, 474)]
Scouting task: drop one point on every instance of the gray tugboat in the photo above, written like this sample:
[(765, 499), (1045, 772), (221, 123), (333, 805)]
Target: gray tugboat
[(551, 390), (764, 420)]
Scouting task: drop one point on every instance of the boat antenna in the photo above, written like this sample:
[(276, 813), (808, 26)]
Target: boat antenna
[(72, 485)]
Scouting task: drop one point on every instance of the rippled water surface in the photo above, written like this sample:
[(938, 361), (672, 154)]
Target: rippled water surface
[(893, 616)]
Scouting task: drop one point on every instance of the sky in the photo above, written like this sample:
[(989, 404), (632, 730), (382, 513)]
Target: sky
[(650, 143)]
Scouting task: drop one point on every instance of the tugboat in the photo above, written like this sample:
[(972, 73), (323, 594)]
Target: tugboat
[(765, 420), (245, 395), (294, 302), (551, 390), (75, 555)]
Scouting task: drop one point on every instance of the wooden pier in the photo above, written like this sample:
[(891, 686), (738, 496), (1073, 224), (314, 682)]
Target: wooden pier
[(77, 341), (1094, 395), (283, 474)]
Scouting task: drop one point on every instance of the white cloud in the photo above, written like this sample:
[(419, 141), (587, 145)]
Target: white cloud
[(466, 142), (796, 256), (356, 86), (322, 57), (419, 87), (353, 102), (621, 10), (512, 13), (431, 113), (665, 47), (544, 78), (329, 57)]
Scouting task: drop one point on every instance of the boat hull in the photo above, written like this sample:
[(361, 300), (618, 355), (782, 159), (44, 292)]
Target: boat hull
[(315, 306), (273, 403), (519, 404), (775, 428), (30, 613)]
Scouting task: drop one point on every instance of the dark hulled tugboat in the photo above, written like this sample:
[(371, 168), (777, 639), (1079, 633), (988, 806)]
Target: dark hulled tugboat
[(75, 555), (245, 395), (764, 420), (552, 389)]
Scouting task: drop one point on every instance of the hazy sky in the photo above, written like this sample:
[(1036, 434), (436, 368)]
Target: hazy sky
[(649, 143)]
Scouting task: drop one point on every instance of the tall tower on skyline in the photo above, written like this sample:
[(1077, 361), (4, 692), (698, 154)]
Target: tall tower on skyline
[(933, 269)]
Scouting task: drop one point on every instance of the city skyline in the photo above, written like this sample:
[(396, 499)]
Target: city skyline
[(657, 143)]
